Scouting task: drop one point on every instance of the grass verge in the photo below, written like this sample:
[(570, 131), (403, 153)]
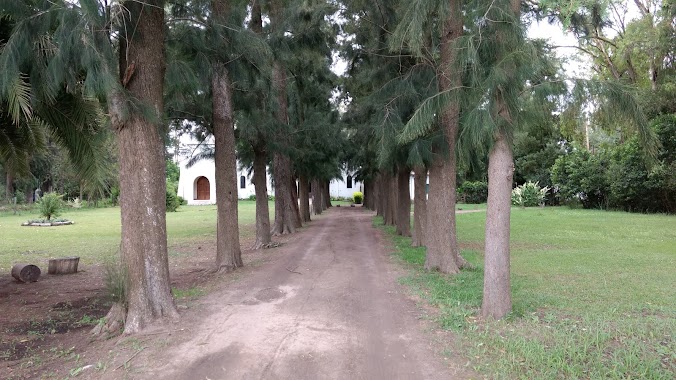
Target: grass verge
[(592, 293), (95, 236)]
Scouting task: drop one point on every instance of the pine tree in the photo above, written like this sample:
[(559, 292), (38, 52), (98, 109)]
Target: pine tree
[(129, 78)]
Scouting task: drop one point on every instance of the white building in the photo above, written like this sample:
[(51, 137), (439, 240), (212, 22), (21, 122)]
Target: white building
[(345, 187), (197, 184)]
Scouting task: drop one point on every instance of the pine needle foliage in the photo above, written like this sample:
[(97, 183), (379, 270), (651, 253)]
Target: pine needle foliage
[(44, 92)]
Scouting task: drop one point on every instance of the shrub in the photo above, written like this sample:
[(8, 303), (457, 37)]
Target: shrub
[(581, 177), (358, 197), (51, 205), (473, 192), (115, 195), (530, 194), (182, 201), (252, 197), (173, 202)]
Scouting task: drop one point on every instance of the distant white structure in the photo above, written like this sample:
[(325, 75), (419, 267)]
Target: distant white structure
[(197, 184), (345, 187)]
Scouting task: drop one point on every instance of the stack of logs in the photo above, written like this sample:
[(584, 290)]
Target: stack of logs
[(31, 273)]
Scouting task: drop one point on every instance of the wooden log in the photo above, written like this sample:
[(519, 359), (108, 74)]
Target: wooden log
[(25, 272), (64, 265)]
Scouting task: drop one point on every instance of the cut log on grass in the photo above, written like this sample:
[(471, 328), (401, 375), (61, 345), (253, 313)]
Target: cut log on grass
[(64, 265), (25, 272)]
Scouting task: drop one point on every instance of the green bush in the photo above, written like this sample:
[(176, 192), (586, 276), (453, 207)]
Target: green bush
[(51, 205), (172, 199), (358, 197), (114, 195), (473, 192), (581, 177), (622, 177), (252, 197), (182, 201), (530, 194)]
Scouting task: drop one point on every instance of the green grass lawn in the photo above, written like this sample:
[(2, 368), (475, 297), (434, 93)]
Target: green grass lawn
[(95, 235), (594, 295)]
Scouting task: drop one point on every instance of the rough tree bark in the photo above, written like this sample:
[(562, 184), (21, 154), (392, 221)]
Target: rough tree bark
[(381, 200), (316, 197), (403, 202), (260, 181), (228, 252), (141, 157), (391, 205), (420, 206), (385, 196), (441, 239), (285, 220), (497, 299), (304, 197), (263, 235), (327, 195), (368, 194)]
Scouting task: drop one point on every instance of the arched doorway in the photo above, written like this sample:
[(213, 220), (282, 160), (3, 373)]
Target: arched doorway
[(202, 189)]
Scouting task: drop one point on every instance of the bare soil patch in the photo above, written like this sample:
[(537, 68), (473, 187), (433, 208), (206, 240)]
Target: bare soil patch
[(45, 326)]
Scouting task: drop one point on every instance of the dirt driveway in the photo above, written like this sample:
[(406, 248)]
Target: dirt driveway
[(328, 307)]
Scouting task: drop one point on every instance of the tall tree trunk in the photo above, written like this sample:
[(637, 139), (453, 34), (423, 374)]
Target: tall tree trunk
[(391, 208), (368, 194), (142, 181), (403, 202), (263, 236), (497, 300), (385, 195), (327, 194), (285, 219), (381, 201), (260, 180), (228, 252), (442, 245), (304, 197), (317, 201), (419, 206)]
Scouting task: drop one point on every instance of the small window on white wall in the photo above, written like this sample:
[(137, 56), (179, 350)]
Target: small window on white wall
[(242, 182), (349, 182)]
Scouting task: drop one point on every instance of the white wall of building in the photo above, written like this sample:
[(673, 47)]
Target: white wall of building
[(187, 183), (340, 188)]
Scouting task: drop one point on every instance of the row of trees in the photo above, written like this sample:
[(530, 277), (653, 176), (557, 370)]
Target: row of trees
[(195, 65), (454, 89), (423, 89), (438, 87)]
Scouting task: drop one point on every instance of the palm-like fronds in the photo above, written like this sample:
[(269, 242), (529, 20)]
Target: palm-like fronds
[(18, 97), (49, 60)]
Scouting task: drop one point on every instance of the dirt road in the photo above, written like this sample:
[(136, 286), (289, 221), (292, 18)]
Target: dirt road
[(329, 307)]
